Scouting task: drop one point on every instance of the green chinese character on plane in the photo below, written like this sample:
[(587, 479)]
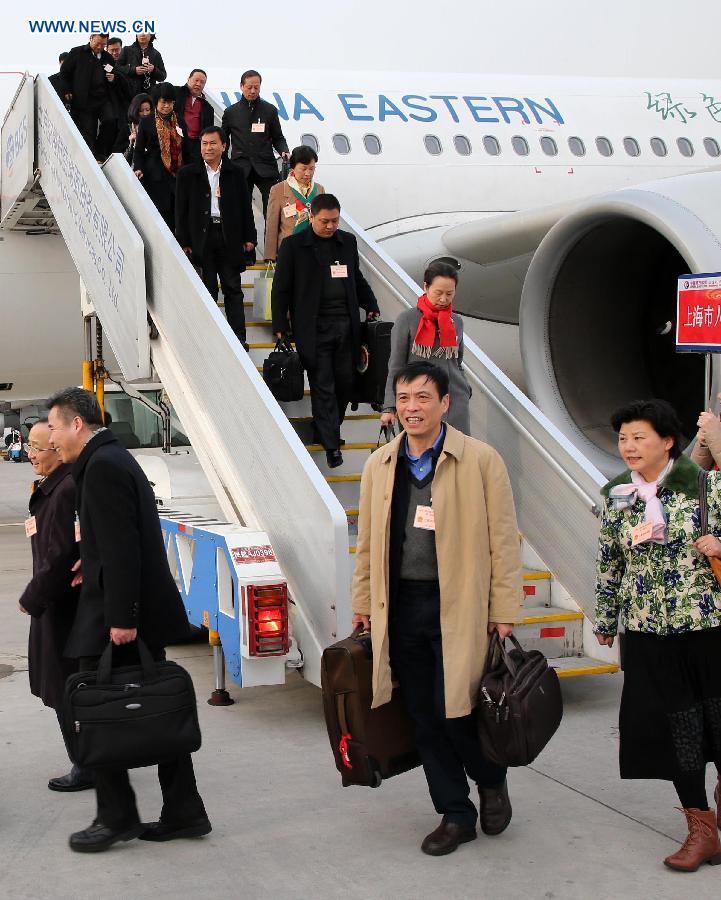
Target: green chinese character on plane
[(663, 103), (713, 106)]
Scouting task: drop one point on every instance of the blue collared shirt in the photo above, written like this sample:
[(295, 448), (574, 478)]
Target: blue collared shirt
[(420, 466)]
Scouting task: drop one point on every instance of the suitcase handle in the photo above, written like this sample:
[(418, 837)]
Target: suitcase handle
[(508, 661), (105, 665)]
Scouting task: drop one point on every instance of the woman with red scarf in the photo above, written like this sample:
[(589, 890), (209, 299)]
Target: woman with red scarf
[(432, 332), (158, 153)]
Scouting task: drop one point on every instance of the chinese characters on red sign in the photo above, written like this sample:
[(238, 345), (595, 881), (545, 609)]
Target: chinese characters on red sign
[(698, 313)]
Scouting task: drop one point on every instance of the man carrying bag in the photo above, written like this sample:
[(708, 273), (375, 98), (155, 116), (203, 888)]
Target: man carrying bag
[(127, 592)]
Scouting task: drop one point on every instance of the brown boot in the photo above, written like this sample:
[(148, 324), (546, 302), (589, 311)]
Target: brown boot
[(717, 798), (702, 844)]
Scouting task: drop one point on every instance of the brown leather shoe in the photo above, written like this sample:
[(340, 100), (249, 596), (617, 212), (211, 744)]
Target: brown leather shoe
[(717, 798), (496, 810), (702, 844), (447, 838)]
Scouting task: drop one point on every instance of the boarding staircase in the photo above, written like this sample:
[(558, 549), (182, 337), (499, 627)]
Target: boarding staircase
[(258, 455)]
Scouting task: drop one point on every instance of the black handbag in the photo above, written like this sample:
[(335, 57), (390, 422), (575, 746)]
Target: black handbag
[(519, 704), (283, 372), (372, 374), (130, 716)]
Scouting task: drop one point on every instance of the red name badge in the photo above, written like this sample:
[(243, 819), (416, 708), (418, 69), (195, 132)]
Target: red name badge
[(31, 526), (425, 518), (642, 533), (338, 271)]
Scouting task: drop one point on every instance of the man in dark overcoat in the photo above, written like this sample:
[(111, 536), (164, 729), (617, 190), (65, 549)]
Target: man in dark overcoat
[(318, 291), (253, 126), (127, 592), (214, 223), (50, 599)]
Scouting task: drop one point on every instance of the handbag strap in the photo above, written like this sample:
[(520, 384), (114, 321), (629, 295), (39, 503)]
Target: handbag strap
[(508, 661), (388, 432), (146, 660), (703, 500)]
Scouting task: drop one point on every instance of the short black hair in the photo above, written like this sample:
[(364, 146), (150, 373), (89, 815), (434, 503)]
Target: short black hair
[(75, 401), (324, 201), (115, 40), (41, 420), (251, 73), (304, 155), (439, 270), (164, 91), (63, 57), (215, 129), (659, 414), (135, 104), (433, 373), (193, 71)]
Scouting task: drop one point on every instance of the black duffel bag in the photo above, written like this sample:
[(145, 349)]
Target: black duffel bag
[(130, 716), (283, 372), (519, 704)]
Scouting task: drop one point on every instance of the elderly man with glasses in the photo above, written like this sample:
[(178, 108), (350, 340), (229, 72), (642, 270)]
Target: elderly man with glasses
[(51, 598)]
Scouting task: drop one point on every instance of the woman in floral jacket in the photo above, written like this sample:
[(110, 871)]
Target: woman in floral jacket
[(653, 572)]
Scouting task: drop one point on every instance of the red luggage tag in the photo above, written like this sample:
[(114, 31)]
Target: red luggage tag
[(343, 748)]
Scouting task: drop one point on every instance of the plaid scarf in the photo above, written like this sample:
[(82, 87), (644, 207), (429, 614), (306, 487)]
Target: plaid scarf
[(170, 142), (435, 320)]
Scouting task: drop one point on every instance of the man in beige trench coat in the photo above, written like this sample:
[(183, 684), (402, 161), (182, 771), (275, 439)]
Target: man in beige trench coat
[(437, 569)]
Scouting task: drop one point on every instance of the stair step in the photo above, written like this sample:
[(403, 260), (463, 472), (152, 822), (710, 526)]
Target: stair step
[(340, 479), (537, 587), (318, 448), (350, 418), (579, 666), (555, 632)]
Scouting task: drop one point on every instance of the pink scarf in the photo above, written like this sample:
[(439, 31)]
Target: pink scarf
[(648, 492)]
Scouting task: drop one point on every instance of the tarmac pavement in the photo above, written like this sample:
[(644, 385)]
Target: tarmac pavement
[(283, 827)]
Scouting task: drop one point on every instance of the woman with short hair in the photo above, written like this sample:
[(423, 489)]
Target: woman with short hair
[(432, 332), (289, 201), (159, 153), (653, 573)]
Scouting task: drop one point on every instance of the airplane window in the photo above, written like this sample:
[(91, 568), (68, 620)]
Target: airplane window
[(576, 146), (520, 145), (604, 146), (372, 144), (310, 140), (711, 146), (462, 145), (658, 145), (433, 145), (341, 144), (630, 145), (685, 146), (548, 145), (491, 145)]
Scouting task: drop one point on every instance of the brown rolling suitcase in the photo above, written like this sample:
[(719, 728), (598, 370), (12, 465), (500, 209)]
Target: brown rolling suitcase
[(368, 745)]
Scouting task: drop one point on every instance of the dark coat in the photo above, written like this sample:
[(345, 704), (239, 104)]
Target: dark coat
[(192, 210), (207, 113), (298, 284), (48, 598), (157, 180), (254, 150), (126, 578), (131, 57), (56, 81), (76, 75)]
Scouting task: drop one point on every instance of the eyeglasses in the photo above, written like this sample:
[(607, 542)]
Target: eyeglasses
[(28, 448)]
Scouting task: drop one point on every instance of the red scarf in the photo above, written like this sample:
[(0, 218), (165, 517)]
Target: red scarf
[(435, 321)]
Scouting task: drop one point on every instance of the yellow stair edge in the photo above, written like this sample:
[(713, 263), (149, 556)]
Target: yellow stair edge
[(552, 617), (338, 479), (351, 549), (261, 346), (352, 512), (350, 418), (262, 324), (316, 448), (532, 576), (600, 669)]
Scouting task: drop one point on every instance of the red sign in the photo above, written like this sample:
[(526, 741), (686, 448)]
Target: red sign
[(246, 555), (698, 313)]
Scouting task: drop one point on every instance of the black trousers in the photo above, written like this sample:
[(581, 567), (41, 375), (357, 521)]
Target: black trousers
[(449, 748), (331, 376), (215, 265), (98, 125), (115, 796), (263, 184)]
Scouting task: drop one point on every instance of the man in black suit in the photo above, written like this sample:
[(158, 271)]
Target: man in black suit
[(89, 86), (127, 592), (253, 126), (57, 79), (319, 286), (214, 223)]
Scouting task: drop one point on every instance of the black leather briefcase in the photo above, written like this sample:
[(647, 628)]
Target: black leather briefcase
[(130, 716), (519, 704), (370, 383), (283, 373)]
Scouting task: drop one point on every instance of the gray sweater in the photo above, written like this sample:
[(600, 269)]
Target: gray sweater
[(404, 330)]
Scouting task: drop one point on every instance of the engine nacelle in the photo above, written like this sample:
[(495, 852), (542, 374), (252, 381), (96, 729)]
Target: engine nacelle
[(597, 302)]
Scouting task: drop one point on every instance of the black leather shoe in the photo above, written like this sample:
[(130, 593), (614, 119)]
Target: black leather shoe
[(72, 782), (334, 457), (447, 838), (164, 831), (496, 808), (99, 837)]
